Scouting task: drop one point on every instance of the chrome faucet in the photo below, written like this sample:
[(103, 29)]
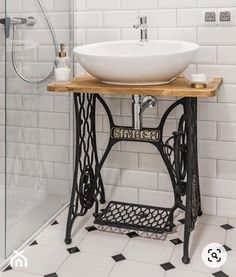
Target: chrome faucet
[(142, 25)]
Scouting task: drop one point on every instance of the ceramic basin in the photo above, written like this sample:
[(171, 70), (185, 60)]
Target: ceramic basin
[(136, 63)]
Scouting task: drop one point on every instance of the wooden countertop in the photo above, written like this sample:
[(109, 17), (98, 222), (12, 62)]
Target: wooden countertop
[(180, 88)]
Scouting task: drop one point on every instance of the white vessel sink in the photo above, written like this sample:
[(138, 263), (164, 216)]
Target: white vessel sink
[(135, 62)]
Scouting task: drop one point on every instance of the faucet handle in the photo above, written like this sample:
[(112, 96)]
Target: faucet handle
[(143, 19), (142, 22)]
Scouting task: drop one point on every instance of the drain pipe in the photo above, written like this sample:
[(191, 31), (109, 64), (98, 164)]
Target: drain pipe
[(137, 112), (139, 105)]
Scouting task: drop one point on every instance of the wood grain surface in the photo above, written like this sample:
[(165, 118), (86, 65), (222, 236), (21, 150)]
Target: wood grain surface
[(180, 88)]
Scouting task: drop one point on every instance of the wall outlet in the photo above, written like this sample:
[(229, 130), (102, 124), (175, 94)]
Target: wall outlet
[(209, 17), (226, 17), (218, 17)]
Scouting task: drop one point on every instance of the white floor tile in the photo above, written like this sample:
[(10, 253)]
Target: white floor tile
[(204, 234), (14, 273), (176, 231), (62, 218), (185, 273), (149, 251), (232, 221), (231, 238), (54, 236), (102, 243), (229, 267), (212, 220), (179, 214), (143, 256), (79, 222), (136, 269), (196, 263), (43, 260), (86, 265)]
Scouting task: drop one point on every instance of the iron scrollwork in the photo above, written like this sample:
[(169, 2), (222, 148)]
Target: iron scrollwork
[(179, 153), (175, 150), (86, 188)]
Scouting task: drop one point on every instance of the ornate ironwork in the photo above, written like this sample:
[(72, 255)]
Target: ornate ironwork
[(85, 191), (135, 217), (179, 153)]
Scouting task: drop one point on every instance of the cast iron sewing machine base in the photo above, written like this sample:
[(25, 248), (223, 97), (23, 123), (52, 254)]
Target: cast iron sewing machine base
[(179, 153)]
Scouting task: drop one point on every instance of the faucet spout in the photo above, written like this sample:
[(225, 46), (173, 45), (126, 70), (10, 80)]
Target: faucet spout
[(142, 25)]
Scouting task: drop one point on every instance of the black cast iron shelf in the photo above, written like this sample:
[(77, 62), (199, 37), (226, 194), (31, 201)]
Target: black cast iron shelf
[(136, 217)]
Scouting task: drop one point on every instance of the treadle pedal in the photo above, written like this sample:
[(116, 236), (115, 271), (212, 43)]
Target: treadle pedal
[(135, 217)]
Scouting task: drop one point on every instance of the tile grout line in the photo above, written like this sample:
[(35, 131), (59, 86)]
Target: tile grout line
[(109, 274)]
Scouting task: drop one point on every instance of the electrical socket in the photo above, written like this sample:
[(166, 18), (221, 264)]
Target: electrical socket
[(209, 17), (226, 17), (218, 17)]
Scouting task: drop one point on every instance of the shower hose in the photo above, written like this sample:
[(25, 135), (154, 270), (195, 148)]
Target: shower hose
[(52, 31)]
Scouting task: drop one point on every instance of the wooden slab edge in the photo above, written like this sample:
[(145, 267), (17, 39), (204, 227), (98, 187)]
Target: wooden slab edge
[(179, 88)]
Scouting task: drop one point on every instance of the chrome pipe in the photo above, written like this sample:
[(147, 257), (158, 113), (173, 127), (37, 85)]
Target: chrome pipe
[(137, 112), (139, 105)]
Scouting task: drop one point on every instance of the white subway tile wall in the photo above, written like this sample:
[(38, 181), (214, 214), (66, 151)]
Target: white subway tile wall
[(136, 172)]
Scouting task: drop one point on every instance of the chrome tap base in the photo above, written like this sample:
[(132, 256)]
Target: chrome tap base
[(179, 153)]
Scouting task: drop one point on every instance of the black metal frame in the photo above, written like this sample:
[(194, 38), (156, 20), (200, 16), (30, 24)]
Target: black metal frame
[(179, 153)]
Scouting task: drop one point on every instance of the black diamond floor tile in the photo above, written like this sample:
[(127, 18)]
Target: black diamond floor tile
[(51, 275), (227, 226), (55, 222), (182, 221), (7, 268), (132, 234), (73, 250), (176, 241), (118, 258), (220, 274), (33, 243), (167, 266), (227, 248), (91, 228)]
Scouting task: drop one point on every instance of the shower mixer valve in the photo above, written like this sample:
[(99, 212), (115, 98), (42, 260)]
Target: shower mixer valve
[(13, 21)]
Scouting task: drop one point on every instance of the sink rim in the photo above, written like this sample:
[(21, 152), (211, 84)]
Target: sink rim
[(81, 50)]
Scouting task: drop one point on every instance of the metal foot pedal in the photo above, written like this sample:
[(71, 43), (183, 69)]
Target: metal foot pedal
[(136, 217)]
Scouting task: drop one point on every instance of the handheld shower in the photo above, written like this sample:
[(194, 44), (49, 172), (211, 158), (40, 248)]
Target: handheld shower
[(29, 21)]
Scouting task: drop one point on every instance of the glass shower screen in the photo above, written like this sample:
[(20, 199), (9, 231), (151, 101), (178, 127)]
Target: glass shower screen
[(38, 138), (2, 135)]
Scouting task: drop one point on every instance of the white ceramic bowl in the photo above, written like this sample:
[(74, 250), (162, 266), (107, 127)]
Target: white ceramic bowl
[(135, 62)]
